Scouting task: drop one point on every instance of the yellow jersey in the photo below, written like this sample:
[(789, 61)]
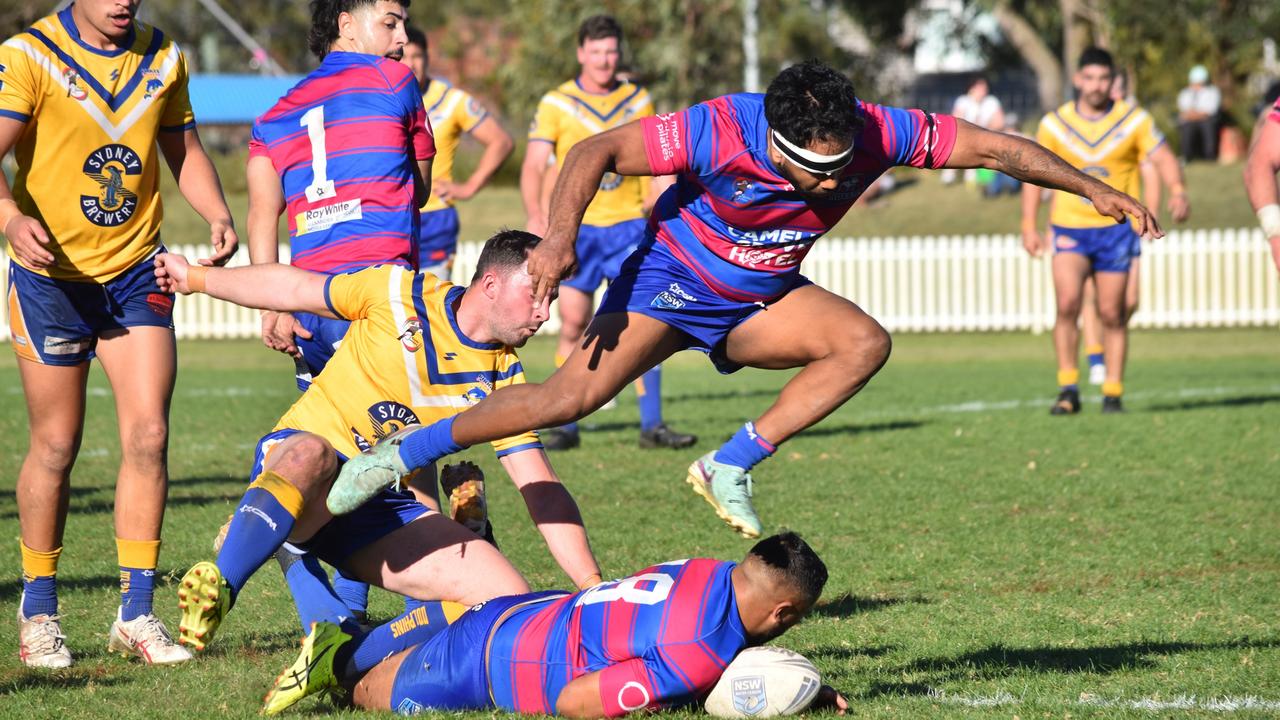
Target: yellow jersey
[(568, 115), (87, 156), (452, 112), (1110, 148), (403, 361)]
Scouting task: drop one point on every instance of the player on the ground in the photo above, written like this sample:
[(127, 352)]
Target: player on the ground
[(761, 178), (1108, 139), (1260, 178), (658, 639), (613, 225), (453, 112), (86, 97), (418, 349)]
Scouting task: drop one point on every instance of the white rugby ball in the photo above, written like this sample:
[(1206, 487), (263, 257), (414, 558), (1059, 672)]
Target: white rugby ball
[(764, 681)]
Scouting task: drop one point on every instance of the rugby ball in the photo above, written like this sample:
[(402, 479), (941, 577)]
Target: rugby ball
[(762, 682)]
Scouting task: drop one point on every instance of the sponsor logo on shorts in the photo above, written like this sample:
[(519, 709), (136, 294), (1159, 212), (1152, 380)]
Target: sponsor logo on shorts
[(748, 695), (65, 346), (113, 204), (160, 303), (20, 340), (667, 301), (408, 706)]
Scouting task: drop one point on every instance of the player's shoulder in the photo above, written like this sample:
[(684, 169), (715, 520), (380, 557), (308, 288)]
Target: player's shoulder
[(395, 72), (566, 89), (46, 34)]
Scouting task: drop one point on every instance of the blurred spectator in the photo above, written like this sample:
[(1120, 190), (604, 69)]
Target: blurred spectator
[(1198, 105), (978, 106), (999, 183)]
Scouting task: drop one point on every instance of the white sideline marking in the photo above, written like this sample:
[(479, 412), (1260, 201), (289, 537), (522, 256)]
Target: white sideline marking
[(1179, 702), (1000, 698), (228, 391), (1185, 393)]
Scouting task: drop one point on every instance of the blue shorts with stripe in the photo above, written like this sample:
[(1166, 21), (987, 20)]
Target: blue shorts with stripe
[(655, 283), (437, 237), (58, 322), (447, 672), (387, 512), (1111, 248), (601, 251)]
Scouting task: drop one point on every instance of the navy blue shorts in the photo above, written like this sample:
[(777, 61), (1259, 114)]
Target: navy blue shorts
[(1111, 248), (387, 512), (437, 238), (601, 250), (58, 322), (656, 284), (447, 672), (326, 334)]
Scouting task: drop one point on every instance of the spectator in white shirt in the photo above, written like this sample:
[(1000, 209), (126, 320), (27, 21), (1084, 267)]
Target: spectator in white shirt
[(1198, 105), (978, 106)]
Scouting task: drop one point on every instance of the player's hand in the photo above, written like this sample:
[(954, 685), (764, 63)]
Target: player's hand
[(1275, 250), (171, 273), (829, 699), (29, 242), (1179, 207), (1033, 242), (1120, 207), (222, 235), (279, 330), (549, 262)]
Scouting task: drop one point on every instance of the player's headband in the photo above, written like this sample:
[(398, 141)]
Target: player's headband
[(806, 159)]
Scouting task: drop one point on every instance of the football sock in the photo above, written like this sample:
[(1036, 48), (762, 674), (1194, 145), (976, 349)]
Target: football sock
[(1112, 388), (429, 444), (1069, 379), (137, 575), (571, 428), (649, 397), (420, 622), (313, 597), (1095, 355), (353, 593), (261, 524), (745, 449), (39, 581)]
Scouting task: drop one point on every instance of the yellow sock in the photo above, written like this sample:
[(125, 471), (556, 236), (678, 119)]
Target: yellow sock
[(141, 554), (1068, 377), (282, 490), (1093, 349), (1112, 388), (39, 563)]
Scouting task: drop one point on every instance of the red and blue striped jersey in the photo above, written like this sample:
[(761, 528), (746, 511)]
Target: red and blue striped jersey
[(661, 638), (344, 142), (734, 219)]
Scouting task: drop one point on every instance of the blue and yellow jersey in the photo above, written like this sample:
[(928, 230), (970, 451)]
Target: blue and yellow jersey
[(87, 156), (403, 361), (569, 115), (452, 112), (1110, 148)]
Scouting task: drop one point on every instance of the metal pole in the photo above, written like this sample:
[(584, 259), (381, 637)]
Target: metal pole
[(750, 50), (259, 53)]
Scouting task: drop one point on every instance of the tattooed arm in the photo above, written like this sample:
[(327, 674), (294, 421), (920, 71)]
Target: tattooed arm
[(1031, 163)]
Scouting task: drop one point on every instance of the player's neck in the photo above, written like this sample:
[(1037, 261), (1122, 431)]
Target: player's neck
[(94, 37), (470, 316), (585, 83), (1089, 112)]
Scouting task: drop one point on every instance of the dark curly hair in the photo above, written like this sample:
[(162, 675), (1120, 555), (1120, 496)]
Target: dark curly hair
[(507, 249), (788, 555), (812, 101), (324, 22)]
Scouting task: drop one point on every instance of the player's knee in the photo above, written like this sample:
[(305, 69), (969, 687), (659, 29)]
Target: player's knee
[(1112, 316), (308, 460), (146, 441), (55, 454), (865, 343)]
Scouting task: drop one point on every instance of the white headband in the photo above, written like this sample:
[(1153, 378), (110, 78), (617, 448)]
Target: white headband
[(806, 159)]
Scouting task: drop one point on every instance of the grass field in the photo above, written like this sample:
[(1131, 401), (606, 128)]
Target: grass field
[(986, 560)]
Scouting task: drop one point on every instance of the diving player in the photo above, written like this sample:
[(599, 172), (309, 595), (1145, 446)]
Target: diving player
[(1107, 139), (1260, 178), (418, 349), (658, 639), (87, 95), (761, 178), (613, 226)]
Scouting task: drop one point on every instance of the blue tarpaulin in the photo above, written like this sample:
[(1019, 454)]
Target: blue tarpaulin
[(236, 99)]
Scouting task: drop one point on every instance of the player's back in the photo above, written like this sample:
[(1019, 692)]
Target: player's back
[(661, 637), (344, 141)]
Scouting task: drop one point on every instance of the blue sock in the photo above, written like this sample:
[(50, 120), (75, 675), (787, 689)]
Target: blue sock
[(1096, 359), (649, 397), (745, 449), (419, 623), (1072, 387), (354, 594), (39, 595), (429, 444), (261, 524), (313, 597), (136, 586), (571, 428)]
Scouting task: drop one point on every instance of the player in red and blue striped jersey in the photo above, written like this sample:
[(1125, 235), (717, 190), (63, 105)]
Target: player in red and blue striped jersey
[(660, 638), (761, 178)]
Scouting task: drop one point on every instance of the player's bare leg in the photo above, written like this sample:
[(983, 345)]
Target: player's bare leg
[(373, 691), (1131, 293), (1069, 273), (55, 398), (1113, 314), (575, 313), (1091, 328)]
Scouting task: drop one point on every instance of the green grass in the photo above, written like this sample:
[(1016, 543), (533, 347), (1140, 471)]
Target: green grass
[(979, 549)]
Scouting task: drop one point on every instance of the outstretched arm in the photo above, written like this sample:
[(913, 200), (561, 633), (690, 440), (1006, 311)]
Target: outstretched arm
[(1029, 162), (555, 513), (1260, 182), (265, 287)]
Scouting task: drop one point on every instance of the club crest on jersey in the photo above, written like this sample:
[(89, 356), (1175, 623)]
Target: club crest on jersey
[(411, 334), (748, 695), (385, 417), (72, 78), (610, 181), (478, 392), (154, 86), (743, 191), (113, 204)]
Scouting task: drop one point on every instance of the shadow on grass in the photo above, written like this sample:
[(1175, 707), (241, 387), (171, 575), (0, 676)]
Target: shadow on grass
[(1227, 402), (71, 678), (998, 661), (859, 428), (108, 506), (847, 605), (835, 653), (66, 585)]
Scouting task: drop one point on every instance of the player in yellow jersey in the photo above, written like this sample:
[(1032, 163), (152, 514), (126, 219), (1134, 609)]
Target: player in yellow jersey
[(1108, 139), (453, 113), (613, 226), (419, 349), (86, 97)]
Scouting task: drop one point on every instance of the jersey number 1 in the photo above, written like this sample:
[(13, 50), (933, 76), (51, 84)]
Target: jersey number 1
[(321, 187)]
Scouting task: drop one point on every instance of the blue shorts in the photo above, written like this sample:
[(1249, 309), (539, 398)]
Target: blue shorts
[(437, 237), (601, 250), (58, 322), (326, 334), (1111, 248), (447, 672), (654, 283), (387, 512)]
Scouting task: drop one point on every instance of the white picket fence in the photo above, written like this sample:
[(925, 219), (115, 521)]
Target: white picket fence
[(1201, 278)]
